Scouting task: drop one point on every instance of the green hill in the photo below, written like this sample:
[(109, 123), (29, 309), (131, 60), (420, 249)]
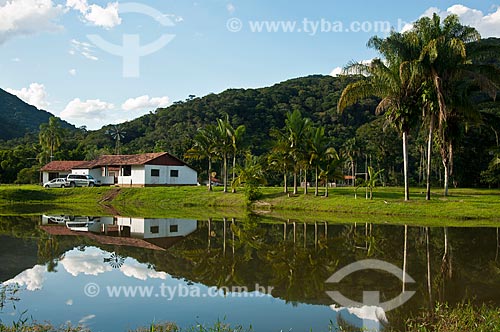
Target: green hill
[(18, 118)]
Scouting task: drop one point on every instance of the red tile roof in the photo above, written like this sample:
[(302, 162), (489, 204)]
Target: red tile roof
[(157, 158), (61, 165), (127, 159)]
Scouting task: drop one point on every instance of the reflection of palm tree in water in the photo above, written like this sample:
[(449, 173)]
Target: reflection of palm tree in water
[(498, 244), (115, 261), (446, 271), (48, 247)]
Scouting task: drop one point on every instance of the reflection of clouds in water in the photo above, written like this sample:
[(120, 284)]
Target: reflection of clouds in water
[(31, 278), (92, 261), (88, 262), (69, 302), (134, 269), (371, 318)]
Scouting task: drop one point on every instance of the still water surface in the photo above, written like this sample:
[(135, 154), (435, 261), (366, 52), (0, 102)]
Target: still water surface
[(119, 273)]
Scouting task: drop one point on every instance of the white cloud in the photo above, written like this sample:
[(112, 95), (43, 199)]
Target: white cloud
[(140, 271), (72, 72), (80, 5), (89, 109), (340, 71), (89, 262), (105, 17), (336, 71), (34, 95), (85, 49), (487, 24), (27, 17), (230, 8), (16, 60), (31, 278), (144, 102)]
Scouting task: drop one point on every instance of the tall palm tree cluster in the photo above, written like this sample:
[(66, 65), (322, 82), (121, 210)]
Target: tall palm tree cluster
[(301, 147), (298, 148), (218, 141), (50, 138), (425, 76)]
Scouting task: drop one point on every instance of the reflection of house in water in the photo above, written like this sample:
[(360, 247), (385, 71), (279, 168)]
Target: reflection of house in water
[(148, 233)]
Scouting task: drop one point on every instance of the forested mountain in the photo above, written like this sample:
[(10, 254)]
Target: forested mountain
[(357, 132), (18, 118), (260, 110)]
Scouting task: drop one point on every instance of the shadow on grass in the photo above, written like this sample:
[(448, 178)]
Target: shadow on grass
[(23, 195)]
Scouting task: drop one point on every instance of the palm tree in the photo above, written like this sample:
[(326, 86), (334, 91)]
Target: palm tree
[(280, 159), (330, 167), (430, 113), (296, 128), (117, 133), (236, 136), (351, 150), (224, 145), (395, 84), (205, 145), (443, 58), (251, 175), (371, 183), (50, 136), (319, 151)]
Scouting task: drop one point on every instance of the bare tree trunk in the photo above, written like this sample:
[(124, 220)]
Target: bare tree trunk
[(316, 190), (285, 179), (353, 173), (446, 176), (405, 165), (225, 173), (429, 158), (305, 181), (295, 181), (234, 173), (209, 175)]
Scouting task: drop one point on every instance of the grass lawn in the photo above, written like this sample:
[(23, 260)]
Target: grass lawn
[(464, 207)]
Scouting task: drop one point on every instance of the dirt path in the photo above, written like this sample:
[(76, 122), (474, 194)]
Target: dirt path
[(110, 195), (107, 199)]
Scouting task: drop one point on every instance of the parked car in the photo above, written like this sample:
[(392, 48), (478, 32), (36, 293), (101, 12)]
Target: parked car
[(77, 180), (56, 183)]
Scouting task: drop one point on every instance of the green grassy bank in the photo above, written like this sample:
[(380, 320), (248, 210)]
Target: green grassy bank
[(463, 317), (464, 207)]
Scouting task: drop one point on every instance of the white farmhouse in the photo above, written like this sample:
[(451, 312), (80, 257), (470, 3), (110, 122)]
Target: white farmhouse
[(138, 170)]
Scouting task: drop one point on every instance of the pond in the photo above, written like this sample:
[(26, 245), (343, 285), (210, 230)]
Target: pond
[(115, 273)]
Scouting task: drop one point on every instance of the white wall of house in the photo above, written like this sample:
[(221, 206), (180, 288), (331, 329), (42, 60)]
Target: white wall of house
[(136, 178), (158, 228), (142, 175), (186, 175)]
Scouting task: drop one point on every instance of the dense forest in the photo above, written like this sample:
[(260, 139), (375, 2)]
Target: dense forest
[(359, 135)]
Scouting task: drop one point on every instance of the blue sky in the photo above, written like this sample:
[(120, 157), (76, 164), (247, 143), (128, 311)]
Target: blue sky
[(47, 58)]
